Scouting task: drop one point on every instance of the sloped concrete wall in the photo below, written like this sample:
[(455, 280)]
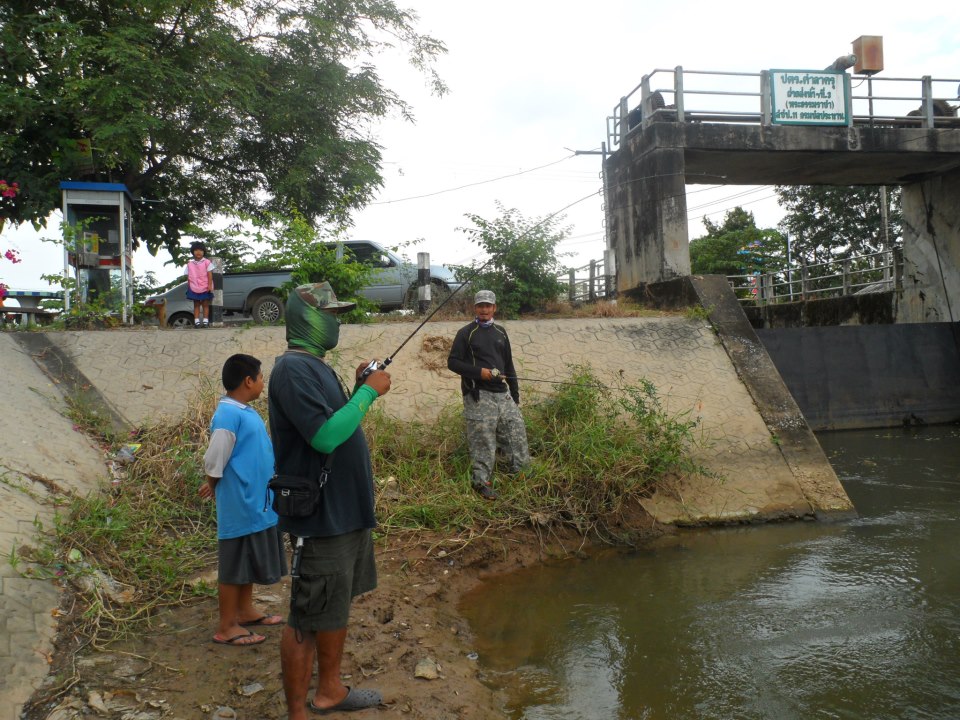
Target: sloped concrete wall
[(41, 456), (148, 374)]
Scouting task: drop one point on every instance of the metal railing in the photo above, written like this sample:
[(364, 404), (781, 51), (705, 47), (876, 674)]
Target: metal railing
[(678, 95), (588, 282), (875, 272)]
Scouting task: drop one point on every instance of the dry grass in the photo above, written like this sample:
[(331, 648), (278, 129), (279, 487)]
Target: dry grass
[(596, 451), (134, 549)]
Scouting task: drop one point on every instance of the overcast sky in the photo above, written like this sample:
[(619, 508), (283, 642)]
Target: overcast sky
[(532, 81)]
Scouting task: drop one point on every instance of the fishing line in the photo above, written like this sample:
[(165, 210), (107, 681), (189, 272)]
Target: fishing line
[(377, 365), (597, 385)]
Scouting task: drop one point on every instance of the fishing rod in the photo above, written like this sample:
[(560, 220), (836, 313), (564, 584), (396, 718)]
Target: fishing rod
[(381, 365)]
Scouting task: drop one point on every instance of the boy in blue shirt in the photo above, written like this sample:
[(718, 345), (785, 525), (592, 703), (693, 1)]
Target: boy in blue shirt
[(238, 465)]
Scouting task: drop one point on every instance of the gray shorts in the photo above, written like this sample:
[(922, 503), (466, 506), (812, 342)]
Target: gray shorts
[(258, 558), (333, 571)]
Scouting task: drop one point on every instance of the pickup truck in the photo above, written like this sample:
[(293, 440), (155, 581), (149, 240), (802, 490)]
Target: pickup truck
[(392, 285)]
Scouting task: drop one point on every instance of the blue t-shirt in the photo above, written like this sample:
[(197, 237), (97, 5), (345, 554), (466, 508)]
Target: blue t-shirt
[(241, 455)]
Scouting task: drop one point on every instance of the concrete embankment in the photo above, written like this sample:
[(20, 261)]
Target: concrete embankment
[(766, 463)]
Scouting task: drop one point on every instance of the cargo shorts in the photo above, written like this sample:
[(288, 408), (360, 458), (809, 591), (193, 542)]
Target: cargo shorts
[(333, 571)]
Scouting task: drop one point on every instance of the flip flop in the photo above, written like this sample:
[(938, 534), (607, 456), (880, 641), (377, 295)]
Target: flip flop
[(234, 641), (355, 700), (264, 620)]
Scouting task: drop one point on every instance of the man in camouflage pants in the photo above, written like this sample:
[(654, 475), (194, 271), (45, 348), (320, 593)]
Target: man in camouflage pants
[(482, 357)]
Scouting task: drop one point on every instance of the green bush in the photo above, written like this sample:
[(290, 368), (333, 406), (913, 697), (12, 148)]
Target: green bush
[(522, 267)]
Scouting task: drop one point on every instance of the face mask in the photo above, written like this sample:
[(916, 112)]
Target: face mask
[(309, 328)]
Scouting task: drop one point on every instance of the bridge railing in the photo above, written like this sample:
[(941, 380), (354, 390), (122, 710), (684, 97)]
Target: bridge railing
[(589, 282), (874, 272), (678, 95)]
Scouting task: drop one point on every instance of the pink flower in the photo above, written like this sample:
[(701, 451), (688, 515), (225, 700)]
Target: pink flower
[(9, 190), (13, 256)]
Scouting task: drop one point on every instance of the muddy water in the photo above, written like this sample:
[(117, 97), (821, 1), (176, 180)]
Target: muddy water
[(802, 620)]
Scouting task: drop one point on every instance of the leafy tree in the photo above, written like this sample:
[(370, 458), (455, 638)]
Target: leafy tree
[(830, 223), (523, 266), (232, 245), (256, 106), (737, 247)]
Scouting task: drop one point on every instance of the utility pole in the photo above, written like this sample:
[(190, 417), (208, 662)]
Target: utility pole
[(609, 258)]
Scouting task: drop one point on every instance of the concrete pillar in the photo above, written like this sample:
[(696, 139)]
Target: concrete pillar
[(216, 305), (931, 251), (647, 215), (423, 281)]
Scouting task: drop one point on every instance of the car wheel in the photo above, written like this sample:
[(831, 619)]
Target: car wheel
[(267, 309), (438, 294), (180, 320)]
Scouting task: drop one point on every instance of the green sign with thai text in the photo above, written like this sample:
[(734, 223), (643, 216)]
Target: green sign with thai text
[(809, 97)]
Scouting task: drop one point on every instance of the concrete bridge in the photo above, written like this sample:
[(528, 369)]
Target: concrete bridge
[(735, 138)]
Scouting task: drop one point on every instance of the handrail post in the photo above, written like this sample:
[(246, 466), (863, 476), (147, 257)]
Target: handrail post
[(591, 293), (572, 286), (621, 124), (845, 269), (644, 100), (848, 94), (678, 91), (766, 104), (898, 269), (927, 83), (804, 279)]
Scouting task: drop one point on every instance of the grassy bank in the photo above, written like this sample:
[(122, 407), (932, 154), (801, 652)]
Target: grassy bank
[(597, 450)]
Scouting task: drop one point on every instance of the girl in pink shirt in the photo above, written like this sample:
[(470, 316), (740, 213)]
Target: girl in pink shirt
[(200, 284)]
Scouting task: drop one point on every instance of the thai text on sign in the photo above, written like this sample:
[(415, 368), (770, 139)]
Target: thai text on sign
[(808, 97)]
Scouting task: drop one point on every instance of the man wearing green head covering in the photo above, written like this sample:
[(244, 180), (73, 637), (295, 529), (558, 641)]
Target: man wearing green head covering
[(315, 428)]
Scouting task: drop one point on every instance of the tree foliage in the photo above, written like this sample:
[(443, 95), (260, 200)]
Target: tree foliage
[(830, 223), (522, 266), (256, 106), (737, 247)]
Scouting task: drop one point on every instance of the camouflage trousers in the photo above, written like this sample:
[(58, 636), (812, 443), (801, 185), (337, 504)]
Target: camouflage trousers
[(494, 420)]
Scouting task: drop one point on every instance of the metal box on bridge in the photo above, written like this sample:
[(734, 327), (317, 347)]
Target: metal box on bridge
[(869, 52)]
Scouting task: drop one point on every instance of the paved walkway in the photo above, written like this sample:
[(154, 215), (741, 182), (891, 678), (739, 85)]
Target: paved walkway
[(143, 374)]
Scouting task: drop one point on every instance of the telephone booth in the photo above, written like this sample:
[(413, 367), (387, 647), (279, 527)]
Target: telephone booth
[(98, 249)]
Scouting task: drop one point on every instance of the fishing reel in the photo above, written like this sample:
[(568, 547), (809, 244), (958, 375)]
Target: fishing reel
[(373, 366)]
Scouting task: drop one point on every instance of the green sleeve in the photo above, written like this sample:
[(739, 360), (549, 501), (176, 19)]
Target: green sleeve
[(344, 421)]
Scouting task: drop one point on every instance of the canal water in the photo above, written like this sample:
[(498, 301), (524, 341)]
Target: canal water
[(856, 620)]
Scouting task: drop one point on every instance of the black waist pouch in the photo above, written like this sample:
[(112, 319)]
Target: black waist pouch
[(295, 496)]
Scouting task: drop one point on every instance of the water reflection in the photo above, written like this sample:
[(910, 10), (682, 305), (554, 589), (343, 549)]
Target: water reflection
[(855, 620)]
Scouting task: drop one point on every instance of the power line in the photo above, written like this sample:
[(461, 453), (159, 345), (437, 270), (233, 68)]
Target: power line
[(762, 188), (469, 185)]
